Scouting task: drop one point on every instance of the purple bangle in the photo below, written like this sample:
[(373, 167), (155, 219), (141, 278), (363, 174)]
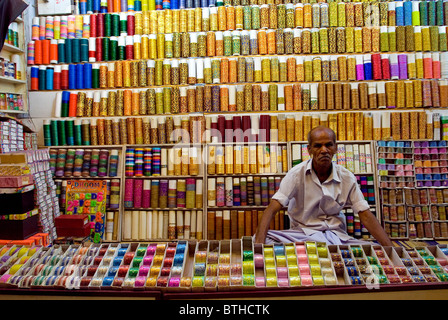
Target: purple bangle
[(147, 260), (140, 281), (144, 270), (394, 70), (174, 282), (359, 72)]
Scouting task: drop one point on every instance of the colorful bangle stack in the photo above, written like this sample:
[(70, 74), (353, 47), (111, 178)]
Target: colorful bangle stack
[(412, 213)]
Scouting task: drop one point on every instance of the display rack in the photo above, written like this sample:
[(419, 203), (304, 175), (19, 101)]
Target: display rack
[(187, 213), (371, 71), (235, 265), (14, 85), (241, 178), (84, 166), (413, 188), (163, 191)]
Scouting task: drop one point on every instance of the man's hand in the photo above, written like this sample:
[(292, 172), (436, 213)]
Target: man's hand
[(268, 214), (372, 224)]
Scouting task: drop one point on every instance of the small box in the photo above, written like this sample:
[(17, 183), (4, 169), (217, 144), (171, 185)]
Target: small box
[(75, 221), (76, 225), (73, 232), (19, 229), (16, 201), (41, 239)]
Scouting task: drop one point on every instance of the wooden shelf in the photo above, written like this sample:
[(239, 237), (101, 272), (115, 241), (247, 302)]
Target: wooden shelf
[(198, 176), (88, 178), (11, 85), (118, 147), (242, 83), (237, 175), (162, 209), (13, 49), (13, 111), (254, 207), (11, 80)]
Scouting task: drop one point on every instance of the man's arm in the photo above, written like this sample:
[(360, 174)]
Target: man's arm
[(268, 214), (372, 224)]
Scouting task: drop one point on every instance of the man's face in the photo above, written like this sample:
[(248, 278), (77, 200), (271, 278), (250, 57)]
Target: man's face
[(322, 148)]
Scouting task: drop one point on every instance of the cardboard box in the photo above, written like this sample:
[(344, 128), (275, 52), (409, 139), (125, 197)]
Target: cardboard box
[(19, 229)]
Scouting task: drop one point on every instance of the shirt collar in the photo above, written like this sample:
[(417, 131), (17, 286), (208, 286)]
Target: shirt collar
[(334, 173)]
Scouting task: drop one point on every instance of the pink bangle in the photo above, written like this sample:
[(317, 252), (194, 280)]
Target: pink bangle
[(5, 278), (260, 282), (304, 269), (258, 260), (302, 258), (306, 280), (282, 272), (283, 282), (300, 249)]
